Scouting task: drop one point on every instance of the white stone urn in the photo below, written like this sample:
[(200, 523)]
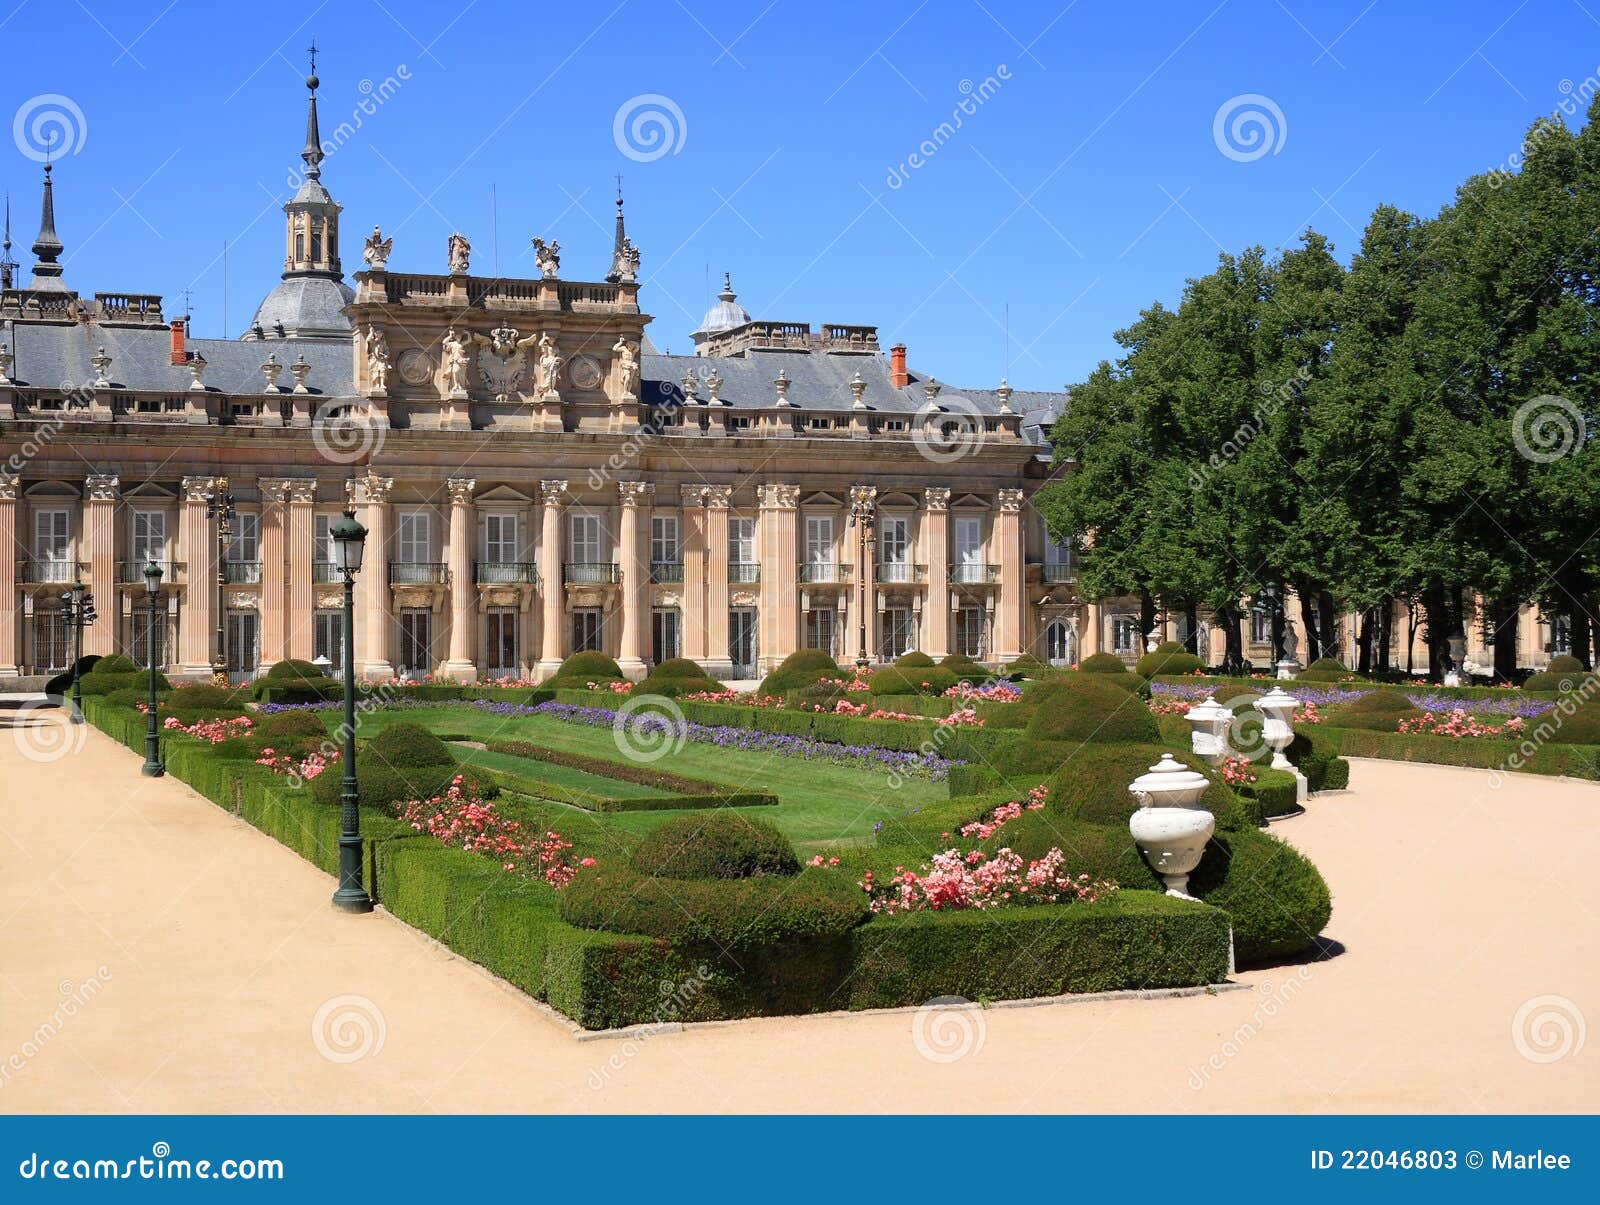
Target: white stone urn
[(1208, 730), (1277, 710), (1171, 828)]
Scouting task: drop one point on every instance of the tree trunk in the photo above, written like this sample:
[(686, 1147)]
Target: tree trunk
[(1147, 616), (1385, 635), (1308, 622), (1411, 638), (1191, 620), (1503, 615), (1233, 639), (1332, 644), (1364, 643)]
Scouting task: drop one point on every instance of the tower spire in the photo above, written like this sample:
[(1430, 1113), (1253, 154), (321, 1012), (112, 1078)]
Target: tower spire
[(47, 247), (624, 255), (8, 266), (313, 152)]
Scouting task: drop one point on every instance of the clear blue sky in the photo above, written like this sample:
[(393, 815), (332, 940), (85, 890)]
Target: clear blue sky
[(1085, 185)]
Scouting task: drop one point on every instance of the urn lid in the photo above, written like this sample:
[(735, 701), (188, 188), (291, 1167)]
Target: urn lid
[(1208, 712), (1277, 700), (1169, 783)]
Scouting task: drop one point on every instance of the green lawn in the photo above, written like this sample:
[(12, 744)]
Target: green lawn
[(561, 776), (818, 803)]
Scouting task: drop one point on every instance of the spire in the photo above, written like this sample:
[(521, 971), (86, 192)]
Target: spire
[(8, 266), (624, 255), (620, 239), (313, 152), (727, 293), (47, 247)]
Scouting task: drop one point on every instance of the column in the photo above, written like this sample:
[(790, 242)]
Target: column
[(302, 550), (780, 600), (197, 552), (463, 589), (1013, 587), (936, 551), (696, 627), (274, 612), (375, 620), (8, 577), (718, 663), (100, 551), (635, 570), (553, 495)]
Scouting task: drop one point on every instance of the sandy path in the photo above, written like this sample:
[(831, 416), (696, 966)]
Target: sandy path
[(1456, 904)]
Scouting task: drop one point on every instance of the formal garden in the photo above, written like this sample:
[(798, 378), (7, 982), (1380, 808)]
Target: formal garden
[(837, 839)]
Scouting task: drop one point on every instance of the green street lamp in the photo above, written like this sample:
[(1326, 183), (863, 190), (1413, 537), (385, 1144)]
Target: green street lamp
[(80, 613), (152, 730), (349, 537)]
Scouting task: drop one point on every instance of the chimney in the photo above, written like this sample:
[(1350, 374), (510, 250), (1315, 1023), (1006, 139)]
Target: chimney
[(897, 366), (179, 355)]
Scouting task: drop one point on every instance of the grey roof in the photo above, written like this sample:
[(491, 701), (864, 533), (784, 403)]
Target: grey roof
[(726, 314), (57, 357), (310, 307)]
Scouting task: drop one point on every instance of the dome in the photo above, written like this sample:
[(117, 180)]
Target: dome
[(726, 314), (308, 307)]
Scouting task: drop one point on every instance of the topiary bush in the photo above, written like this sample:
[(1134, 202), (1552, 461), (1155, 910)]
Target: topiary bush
[(290, 733), (1327, 669), (1556, 681), (401, 763), (202, 701), (1168, 660), (912, 680), (718, 845), (1078, 707), (580, 669), (965, 668), (677, 676), (116, 663), (1026, 666), (405, 745), (915, 660), (291, 670), (1378, 710), (680, 667), (800, 669), (1102, 663), (1565, 663), (1277, 900)]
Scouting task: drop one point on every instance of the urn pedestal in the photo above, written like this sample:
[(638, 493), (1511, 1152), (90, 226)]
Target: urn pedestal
[(1171, 828)]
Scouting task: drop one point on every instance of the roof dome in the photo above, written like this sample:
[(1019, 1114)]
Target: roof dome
[(726, 314), (308, 307)]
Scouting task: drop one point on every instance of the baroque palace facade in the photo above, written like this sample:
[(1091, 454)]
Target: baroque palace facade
[(535, 477)]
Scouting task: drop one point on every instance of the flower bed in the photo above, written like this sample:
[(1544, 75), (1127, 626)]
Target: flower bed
[(1458, 725)]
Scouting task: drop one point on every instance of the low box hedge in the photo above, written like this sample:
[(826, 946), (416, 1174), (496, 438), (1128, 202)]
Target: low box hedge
[(643, 775), (590, 801), (1274, 792), (1483, 753)]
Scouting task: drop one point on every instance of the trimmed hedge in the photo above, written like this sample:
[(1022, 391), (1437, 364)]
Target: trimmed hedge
[(913, 680), (1168, 660), (680, 667), (590, 801), (1528, 756), (1082, 707), (1275, 792), (915, 660), (643, 775), (717, 847), (802, 668), (1378, 711)]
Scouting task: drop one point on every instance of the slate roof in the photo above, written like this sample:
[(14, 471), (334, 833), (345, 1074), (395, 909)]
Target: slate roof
[(307, 306)]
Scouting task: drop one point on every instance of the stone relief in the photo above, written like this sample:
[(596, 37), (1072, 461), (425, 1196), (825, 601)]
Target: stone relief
[(457, 361), (584, 372), (415, 366), (502, 359), (378, 364)]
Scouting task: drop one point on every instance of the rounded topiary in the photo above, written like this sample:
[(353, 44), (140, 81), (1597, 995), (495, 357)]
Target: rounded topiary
[(116, 663), (1557, 681), (915, 660), (965, 668), (1026, 666), (1168, 660), (1565, 663), (401, 745), (681, 667), (1083, 708), (1276, 898), (290, 733), (591, 663), (1233, 690), (715, 845), (1377, 710), (293, 670), (913, 680), (799, 669), (1102, 663), (1327, 669), (379, 785)]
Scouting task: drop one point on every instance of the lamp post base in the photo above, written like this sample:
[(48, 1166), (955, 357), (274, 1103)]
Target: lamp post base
[(153, 770), (352, 899)]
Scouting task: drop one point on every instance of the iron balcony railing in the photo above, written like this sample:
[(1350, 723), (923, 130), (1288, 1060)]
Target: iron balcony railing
[(974, 575), (1059, 571), (591, 573), (898, 573), (418, 573), (507, 573), (242, 573), (48, 571), (666, 571), (325, 571), (129, 572), (742, 573), (823, 573)]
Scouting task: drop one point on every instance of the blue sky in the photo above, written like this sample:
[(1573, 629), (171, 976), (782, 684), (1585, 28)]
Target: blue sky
[(1087, 182)]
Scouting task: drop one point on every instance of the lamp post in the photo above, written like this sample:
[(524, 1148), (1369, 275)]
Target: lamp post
[(863, 512), (219, 506), (349, 537), (152, 730), (80, 613)]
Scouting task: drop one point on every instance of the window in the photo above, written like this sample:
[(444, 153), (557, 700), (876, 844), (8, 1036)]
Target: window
[(243, 649), (1560, 635), (1124, 635), (149, 541), (820, 628), (664, 540), (741, 541), (143, 644), (894, 424), (323, 551), (327, 637), (971, 629), (898, 636), (412, 543), (820, 424), (1260, 626), (969, 541), (416, 640), (503, 646), (1058, 552), (819, 541), (316, 239), (585, 540), (585, 629), (246, 543), (52, 544), (500, 539), (665, 634), (52, 642), (894, 540)]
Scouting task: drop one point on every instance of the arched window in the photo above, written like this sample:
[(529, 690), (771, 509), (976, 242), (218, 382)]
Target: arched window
[(316, 240)]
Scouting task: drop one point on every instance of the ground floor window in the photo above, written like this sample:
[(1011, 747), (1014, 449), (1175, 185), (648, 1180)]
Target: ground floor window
[(327, 638), (416, 640), (52, 641), (665, 642), (586, 630), (1260, 626), (1060, 646), (504, 648), (1560, 635), (141, 648), (742, 641), (820, 630), (897, 636), (244, 648), (971, 630), (1125, 635)]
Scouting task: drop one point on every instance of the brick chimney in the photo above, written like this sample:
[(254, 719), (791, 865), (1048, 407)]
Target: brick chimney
[(179, 355), (897, 366)]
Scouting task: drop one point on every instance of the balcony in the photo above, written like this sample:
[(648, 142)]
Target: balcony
[(824, 573), (664, 572), (132, 572), (744, 573), (974, 575), (898, 573), (1055, 572), (591, 573), (323, 572), (418, 573), (507, 573), (48, 572), (242, 573)]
